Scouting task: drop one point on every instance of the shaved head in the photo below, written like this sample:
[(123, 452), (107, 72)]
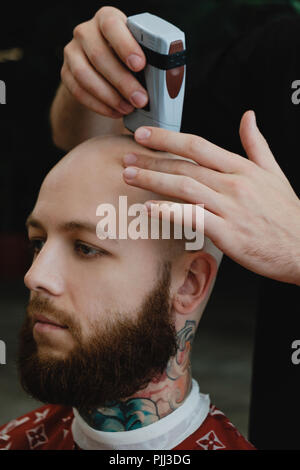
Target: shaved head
[(94, 170), (98, 163)]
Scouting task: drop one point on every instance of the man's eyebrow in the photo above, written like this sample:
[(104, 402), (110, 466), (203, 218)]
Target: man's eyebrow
[(70, 226)]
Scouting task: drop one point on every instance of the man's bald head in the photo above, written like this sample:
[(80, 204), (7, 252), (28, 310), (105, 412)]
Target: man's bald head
[(94, 170), (91, 175), (99, 161)]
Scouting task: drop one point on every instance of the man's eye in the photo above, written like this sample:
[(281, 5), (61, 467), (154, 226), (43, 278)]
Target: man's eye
[(82, 250), (85, 251), (35, 245)]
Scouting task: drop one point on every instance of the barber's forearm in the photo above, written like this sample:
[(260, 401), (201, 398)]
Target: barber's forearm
[(293, 229), (72, 123)]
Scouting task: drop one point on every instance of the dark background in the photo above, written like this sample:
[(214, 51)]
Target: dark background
[(217, 32)]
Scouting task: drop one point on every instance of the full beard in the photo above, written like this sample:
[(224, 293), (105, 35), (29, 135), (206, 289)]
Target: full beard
[(118, 359)]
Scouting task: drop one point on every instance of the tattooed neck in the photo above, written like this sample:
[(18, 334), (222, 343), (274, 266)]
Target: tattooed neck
[(154, 402)]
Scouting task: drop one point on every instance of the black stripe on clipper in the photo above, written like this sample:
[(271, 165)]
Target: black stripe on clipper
[(164, 61)]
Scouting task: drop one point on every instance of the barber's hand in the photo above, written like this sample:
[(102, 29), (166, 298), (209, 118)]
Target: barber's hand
[(98, 63), (251, 212)]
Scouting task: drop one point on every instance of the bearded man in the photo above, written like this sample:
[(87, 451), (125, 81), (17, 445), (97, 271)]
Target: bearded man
[(106, 342)]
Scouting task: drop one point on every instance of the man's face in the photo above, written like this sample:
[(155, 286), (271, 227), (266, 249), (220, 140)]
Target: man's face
[(109, 299)]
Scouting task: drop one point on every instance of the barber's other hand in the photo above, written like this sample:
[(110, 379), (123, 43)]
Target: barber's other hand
[(251, 212), (98, 62)]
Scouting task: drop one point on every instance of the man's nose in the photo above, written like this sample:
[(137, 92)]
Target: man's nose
[(46, 272)]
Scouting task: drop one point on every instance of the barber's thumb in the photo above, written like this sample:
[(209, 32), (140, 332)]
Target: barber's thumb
[(254, 143)]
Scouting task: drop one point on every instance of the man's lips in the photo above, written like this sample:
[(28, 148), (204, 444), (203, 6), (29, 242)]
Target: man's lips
[(48, 321)]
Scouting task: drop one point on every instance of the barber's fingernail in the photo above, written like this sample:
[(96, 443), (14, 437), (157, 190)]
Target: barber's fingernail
[(130, 172), (142, 133), (130, 159), (125, 107), (252, 121), (139, 99), (134, 61)]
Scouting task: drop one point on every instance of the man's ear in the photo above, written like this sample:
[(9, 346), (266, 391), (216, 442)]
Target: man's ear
[(200, 273)]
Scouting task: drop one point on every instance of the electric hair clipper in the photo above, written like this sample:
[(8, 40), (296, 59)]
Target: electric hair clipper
[(164, 74)]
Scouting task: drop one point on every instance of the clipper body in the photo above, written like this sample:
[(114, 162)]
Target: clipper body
[(164, 74)]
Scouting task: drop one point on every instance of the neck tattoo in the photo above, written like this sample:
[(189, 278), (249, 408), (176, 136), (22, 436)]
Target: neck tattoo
[(154, 402)]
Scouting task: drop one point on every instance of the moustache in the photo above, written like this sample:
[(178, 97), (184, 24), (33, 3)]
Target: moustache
[(41, 309)]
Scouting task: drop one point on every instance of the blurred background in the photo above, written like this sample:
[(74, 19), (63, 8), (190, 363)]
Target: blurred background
[(32, 38)]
